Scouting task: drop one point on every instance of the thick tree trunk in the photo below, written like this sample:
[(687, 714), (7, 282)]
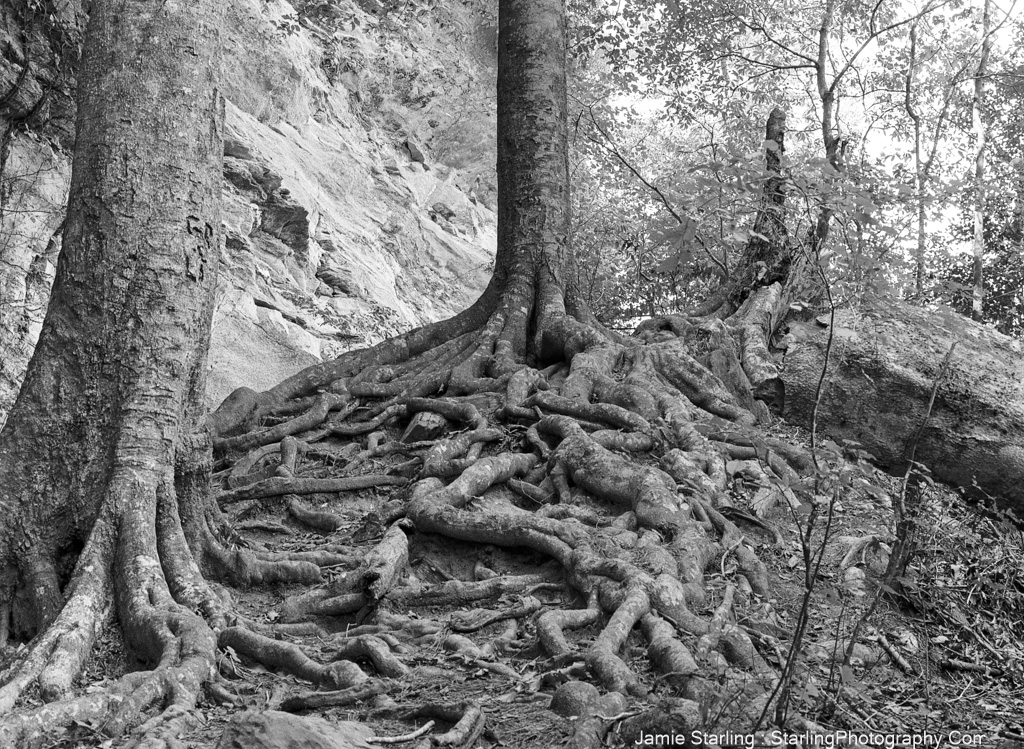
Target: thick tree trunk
[(882, 368), (533, 156), (121, 349), (89, 450)]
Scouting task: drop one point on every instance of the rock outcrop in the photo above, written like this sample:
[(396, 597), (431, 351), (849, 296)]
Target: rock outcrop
[(272, 729), (883, 366), (359, 185)]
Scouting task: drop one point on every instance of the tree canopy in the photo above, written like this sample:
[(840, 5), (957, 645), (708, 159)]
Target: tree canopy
[(880, 93)]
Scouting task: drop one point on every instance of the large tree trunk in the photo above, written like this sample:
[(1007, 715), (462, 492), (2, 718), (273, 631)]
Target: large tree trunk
[(87, 456), (533, 157)]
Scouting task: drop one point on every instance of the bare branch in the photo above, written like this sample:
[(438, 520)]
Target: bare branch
[(608, 144), (875, 33)]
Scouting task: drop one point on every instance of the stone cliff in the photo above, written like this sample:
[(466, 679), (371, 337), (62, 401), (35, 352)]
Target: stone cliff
[(359, 181)]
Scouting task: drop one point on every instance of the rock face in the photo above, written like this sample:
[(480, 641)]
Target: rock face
[(346, 128), (272, 729), (36, 177)]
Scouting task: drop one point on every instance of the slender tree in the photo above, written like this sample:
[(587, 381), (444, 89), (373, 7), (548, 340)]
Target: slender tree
[(980, 135), (928, 129)]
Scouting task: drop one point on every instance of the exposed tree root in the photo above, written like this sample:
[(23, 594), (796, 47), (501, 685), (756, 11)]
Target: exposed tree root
[(468, 720), (611, 462), (118, 566), (340, 674), (322, 521), (584, 422), (279, 487), (314, 700), (425, 728)]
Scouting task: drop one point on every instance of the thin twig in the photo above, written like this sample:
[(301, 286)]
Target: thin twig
[(895, 654)]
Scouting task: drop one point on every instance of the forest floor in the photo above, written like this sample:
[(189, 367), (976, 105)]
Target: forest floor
[(962, 601)]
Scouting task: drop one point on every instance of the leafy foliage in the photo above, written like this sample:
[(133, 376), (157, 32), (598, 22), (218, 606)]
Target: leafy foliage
[(1004, 266), (671, 98)]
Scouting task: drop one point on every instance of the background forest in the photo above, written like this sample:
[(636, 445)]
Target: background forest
[(919, 107)]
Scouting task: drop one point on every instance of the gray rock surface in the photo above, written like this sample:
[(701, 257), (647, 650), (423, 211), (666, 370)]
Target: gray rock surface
[(882, 356), (272, 729), (332, 234), (574, 698)]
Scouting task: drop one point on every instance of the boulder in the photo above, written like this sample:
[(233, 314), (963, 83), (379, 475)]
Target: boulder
[(884, 357), (573, 699), (272, 729), (425, 425)]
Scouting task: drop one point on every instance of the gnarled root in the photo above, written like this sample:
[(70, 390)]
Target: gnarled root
[(645, 567), (555, 460), (119, 563), (339, 674)]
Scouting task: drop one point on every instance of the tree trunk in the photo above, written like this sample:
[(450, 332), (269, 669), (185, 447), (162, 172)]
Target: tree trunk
[(768, 254), (978, 115), (87, 456), (533, 156)]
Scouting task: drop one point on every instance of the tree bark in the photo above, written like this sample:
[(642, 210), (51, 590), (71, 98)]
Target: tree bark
[(533, 160), (980, 134), (87, 456)]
